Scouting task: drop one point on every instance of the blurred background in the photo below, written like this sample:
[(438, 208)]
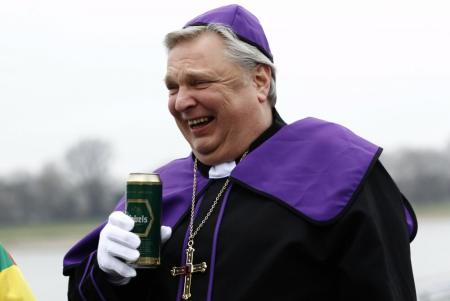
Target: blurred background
[(82, 104)]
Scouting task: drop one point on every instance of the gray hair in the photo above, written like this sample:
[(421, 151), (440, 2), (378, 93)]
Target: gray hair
[(244, 54)]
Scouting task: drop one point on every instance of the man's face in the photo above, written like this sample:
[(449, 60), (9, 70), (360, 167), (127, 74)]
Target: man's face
[(216, 104)]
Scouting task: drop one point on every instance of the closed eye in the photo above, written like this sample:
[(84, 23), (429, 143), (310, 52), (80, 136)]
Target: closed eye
[(201, 84), (173, 89)]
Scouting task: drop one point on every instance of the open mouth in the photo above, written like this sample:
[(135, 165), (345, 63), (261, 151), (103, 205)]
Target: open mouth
[(199, 122)]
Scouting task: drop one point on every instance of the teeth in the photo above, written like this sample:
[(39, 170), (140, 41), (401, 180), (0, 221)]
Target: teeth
[(197, 121)]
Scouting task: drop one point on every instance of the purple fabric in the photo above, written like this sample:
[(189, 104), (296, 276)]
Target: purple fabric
[(410, 221), (83, 248), (177, 188), (311, 165), (84, 277), (177, 193), (88, 244), (214, 245), (243, 23), (183, 258), (95, 284), (183, 250)]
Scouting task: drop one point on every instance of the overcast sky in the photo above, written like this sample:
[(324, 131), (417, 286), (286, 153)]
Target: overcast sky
[(94, 68)]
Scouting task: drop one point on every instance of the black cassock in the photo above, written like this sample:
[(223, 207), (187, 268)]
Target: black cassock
[(263, 243)]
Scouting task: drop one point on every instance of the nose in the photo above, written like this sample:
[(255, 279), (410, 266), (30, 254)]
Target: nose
[(184, 99)]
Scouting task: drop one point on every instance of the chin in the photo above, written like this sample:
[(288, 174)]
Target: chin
[(203, 150), (208, 159), (210, 154)]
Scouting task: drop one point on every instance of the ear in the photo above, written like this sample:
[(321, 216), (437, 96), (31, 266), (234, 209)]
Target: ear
[(262, 76)]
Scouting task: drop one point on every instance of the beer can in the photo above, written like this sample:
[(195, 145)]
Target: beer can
[(144, 202)]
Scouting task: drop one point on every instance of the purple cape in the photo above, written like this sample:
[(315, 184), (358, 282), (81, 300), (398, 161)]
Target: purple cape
[(312, 166)]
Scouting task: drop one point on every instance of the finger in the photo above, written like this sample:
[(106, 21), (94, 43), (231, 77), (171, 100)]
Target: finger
[(120, 267), (121, 220), (120, 251), (125, 238), (166, 233)]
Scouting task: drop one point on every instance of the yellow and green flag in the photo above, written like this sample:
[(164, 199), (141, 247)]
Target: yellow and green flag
[(12, 283)]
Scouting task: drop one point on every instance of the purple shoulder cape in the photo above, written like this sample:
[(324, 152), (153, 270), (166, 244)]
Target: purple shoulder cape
[(312, 166)]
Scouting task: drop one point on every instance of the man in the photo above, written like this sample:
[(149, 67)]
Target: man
[(13, 286), (273, 211)]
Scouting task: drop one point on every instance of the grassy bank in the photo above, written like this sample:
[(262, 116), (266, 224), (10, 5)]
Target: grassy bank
[(440, 210), (48, 231), (72, 231)]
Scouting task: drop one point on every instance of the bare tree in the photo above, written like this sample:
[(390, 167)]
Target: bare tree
[(422, 174), (81, 188), (89, 162), (88, 159), (52, 197), (16, 198)]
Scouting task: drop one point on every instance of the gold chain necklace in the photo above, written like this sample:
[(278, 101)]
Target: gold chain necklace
[(191, 268)]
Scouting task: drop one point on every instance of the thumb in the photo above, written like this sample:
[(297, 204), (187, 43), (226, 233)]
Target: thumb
[(166, 233)]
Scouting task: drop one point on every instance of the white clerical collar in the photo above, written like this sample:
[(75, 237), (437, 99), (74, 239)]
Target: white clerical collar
[(221, 170)]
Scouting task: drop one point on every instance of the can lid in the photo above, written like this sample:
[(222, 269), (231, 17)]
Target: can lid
[(140, 177)]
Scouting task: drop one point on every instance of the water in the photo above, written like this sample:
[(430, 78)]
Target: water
[(42, 263), (430, 254)]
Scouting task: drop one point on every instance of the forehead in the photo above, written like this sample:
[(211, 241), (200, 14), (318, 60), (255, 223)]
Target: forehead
[(205, 52), (205, 43)]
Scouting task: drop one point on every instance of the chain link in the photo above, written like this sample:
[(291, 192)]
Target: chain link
[(193, 233)]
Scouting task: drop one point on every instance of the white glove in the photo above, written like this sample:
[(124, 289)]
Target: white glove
[(117, 246)]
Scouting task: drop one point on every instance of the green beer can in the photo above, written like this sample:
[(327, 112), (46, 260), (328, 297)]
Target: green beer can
[(144, 202)]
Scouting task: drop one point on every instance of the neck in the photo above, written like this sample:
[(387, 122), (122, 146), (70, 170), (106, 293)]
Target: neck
[(277, 124), (242, 140)]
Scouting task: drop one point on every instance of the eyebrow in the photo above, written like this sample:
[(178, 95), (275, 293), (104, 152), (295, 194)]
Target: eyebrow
[(189, 76), (169, 81)]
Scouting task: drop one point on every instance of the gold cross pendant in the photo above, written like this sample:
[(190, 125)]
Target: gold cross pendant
[(188, 270)]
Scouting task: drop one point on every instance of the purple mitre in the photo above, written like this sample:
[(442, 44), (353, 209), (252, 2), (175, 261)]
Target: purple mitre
[(243, 23)]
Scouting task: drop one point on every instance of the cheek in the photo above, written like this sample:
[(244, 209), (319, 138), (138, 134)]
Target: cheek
[(171, 106)]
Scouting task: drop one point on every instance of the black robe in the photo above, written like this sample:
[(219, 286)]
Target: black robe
[(265, 249)]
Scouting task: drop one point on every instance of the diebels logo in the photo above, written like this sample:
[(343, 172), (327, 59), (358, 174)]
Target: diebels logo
[(140, 219), (142, 214)]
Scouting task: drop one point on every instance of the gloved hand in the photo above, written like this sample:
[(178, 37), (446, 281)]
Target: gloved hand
[(117, 246)]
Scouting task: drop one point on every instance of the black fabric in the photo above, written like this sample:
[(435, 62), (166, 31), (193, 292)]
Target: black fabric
[(265, 252)]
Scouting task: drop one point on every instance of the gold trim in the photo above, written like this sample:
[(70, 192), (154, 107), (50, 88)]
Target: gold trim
[(148, 261)]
